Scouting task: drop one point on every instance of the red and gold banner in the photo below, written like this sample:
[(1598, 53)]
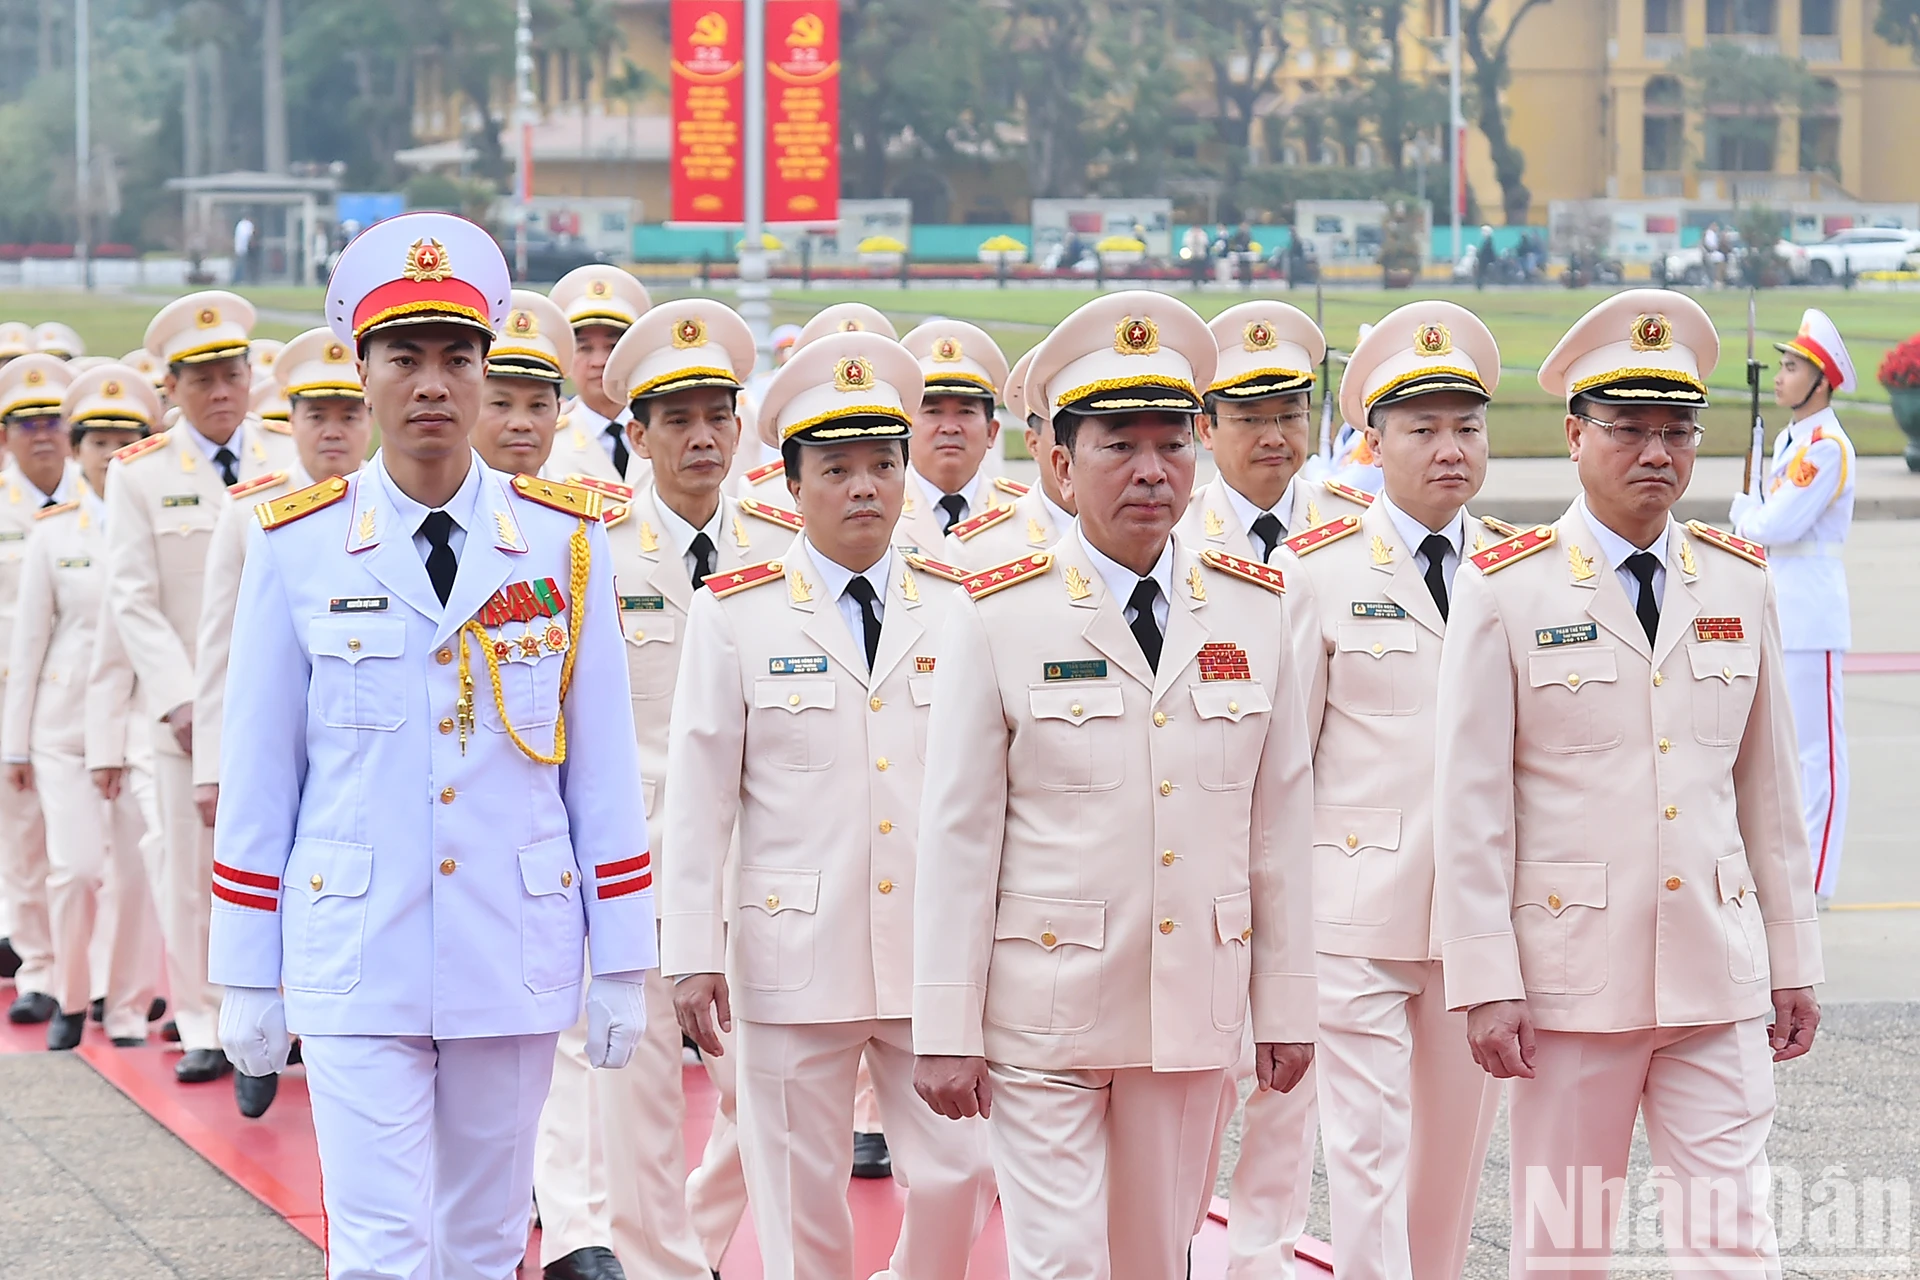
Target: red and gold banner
[(709, 110), (803, 111)]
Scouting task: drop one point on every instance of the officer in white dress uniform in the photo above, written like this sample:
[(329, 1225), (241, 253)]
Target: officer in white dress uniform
[(600, 303), (430, 788), (1802, 515)]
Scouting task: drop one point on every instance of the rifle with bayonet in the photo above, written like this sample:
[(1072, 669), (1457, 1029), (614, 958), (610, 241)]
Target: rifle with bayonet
[(1757, 450), (1326, 372)]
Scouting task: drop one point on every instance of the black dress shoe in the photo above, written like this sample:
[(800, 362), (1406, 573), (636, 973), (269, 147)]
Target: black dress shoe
[(65, 1029), (293, 1054), (590, 1263), (254, 1094), (32, 1007), (157, 1010), (128, 1042), (871, 1159), (169, 1031), (198, 1066), (97, 1010), (9, 958)]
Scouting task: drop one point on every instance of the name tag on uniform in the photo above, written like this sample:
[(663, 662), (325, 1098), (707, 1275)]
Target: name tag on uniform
[(12, 535), (73, 562), (1091, 669), (1377, 609), (643, 604), (813, 664), (357, 604), (1719, 629), (1579, 633), (180, 500)]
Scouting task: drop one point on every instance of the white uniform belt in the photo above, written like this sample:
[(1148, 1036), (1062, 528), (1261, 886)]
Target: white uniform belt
[(1826, 550)]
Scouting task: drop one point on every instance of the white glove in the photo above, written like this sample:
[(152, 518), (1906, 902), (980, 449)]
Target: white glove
[(616, 1017), (1743, 505), (253, 1030)]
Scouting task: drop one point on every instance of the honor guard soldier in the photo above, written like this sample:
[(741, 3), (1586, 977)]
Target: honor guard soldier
[(808, 676), (1041, 514), (429, 787), (59, 341), (166, 495), (1114, 867), (1622, 889), (950, 491), (98, 898), (1801, 514), (1405, 1112), (38, 475), (1256, 423), (520, 408), (600, 303)]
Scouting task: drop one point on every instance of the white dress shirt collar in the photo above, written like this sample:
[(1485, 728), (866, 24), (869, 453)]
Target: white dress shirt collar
[(207, 447), (933, 492), (1121, 580), (836, 578), (1247, 512), (1061, 517), (407, 513), (679, 533), (1615, 549)]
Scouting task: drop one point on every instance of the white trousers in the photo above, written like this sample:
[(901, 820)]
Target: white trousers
[(1103, 1174), (426, 1152), (1405, 1116), (1707, 1096), (796, 1087), (1271, 1184), (1814, 688), (717, 1189), (23, 886), (183, 894)]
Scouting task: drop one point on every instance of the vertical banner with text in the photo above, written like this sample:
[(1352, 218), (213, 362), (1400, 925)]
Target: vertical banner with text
[(709, 111), (803, 111)]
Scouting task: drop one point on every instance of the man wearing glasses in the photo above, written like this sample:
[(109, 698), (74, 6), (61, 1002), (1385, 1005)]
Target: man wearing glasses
[(1623, 895)]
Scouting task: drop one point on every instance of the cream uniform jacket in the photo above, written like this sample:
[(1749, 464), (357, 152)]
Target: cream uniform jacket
[(18, 507), (59, 603), (1211, 520), (226, 557), (921, 523), (579, 448), (1000, 534), (1113, 859), (113, 699), (783, 726), (1617, 826)]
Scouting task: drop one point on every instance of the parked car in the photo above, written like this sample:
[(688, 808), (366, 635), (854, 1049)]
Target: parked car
[(1689, 266), (549, 256), (1860, 249)]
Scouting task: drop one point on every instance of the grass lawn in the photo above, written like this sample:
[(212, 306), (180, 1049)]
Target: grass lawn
[(1527, 323)]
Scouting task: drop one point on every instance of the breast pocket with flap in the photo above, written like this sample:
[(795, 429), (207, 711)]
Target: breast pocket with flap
[(1560, 926), (325, 901), (1725, 676), (653, 660), (1078, 734), (791, 724), (1575, 707), (1356, 862), (1231, 734), (359, 680), (1047, 962), (775, 926), (1373, 672)]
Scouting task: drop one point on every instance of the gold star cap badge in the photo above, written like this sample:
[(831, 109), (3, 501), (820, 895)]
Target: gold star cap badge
[(1136, 336), (426, 261), (1433, 340), (689, 332), (1652, 333), (855, 373)]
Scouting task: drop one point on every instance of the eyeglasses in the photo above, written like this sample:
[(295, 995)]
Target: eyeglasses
[(1299, 417), (1678, 438)]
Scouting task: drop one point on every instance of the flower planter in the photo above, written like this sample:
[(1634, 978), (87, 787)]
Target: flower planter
[(1906, 412)]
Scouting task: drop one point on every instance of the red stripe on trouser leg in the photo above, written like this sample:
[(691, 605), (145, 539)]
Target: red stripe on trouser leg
[(1826, 828), (626, 866), (625, 887), (239, 899), (252, 879)]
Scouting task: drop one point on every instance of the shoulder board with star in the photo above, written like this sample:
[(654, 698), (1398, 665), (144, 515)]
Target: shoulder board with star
[(1501, 527), (614, 512), (1519, 547), (301, 502), (1014, 487), (1751, 552), (985, 520), (1320, 535), (576, 500), (1261, 575), (937, 568), (60, 510), (140, 448), (778, 515), (987, 581), (766, 471), (1347, 491), (274, 426), (256, 484), (754, 575), (605, 488)]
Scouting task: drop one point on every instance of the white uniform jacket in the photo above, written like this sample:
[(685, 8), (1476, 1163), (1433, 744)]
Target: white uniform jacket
[(1803, 521)]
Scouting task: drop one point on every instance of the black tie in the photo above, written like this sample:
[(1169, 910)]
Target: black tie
[(1641, 565), (1435, 547), (953, 504), (50, 502), (862, 590), (1145, 628), (619, 448), (441, 562), (1267, 529), (224, 459), (702, 549)]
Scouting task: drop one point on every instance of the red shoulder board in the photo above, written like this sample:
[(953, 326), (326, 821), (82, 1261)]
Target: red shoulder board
[(1501, 527), (1348, 492), (753, 575), (140, 448), (1519, 547), (613, 513), (1013, 487), (938, 568), (1002, 576), (62, 509), (1321, 534), (1264, 575), (779, 515), (1751, 552), (575, 500), (766, 471), (256, 484), (985, 520), (605, 488)]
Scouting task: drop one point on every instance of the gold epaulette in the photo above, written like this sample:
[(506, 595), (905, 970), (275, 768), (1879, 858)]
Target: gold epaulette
[(778, 515), (140, 448), (938, 568), (62, 509), (1347, 491), (276, 426), (1001, 576), (985, 520), (1501, 527), (614, 512), (766, 471), (754, 575), (1751, 552), (1519, 547), (1261, 575), (606, 488), (301, 502), (575, 500), (1321, 534), (256, 484), (1013, 487)]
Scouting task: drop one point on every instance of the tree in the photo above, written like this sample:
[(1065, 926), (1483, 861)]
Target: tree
[(1738, 96), (913, 86), (1045, 55), (1487, 50), (1243, 43), (1898, 23)]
